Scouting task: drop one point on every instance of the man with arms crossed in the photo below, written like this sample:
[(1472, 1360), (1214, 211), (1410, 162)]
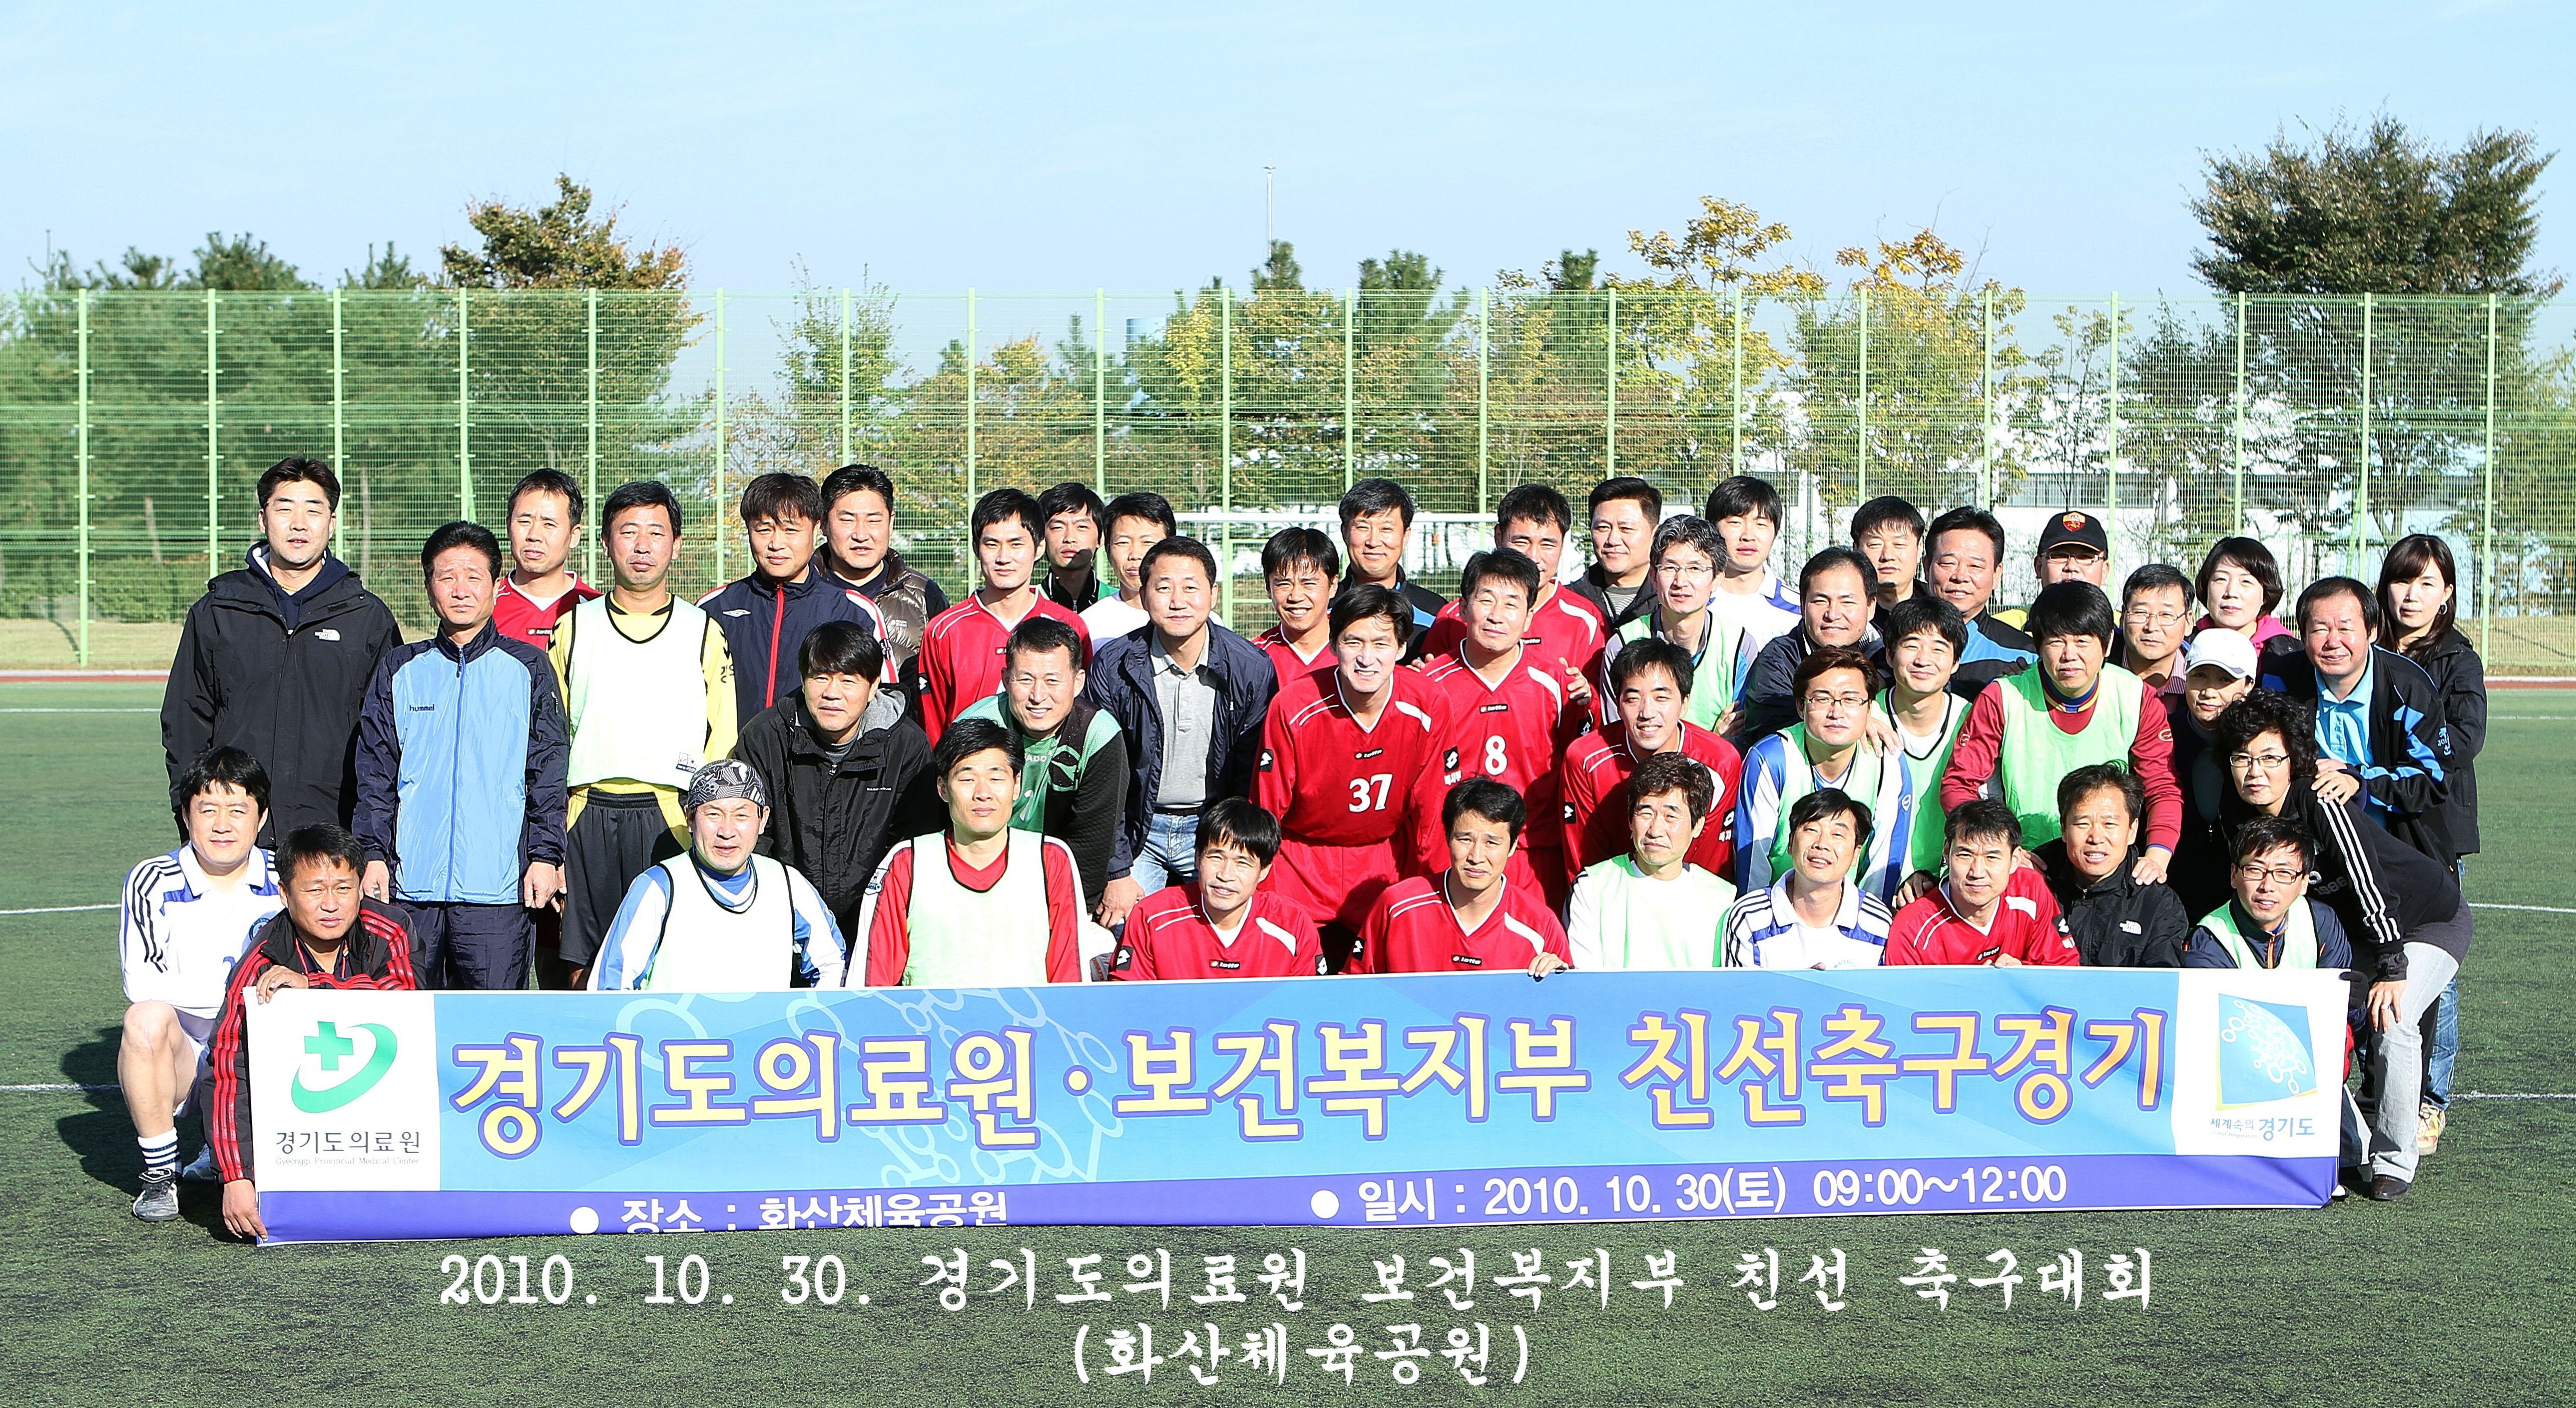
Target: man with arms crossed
[(980, 904), (275, 657), (328, 935), (1813, 916), (184, 922), (461, 754), (1352, 762), (1468, 918), (1652, 908), (648, 699), (545, 526), (724, 919), (1222, 924)]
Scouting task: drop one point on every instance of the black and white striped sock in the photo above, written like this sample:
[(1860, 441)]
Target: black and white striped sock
[(160, 1154)]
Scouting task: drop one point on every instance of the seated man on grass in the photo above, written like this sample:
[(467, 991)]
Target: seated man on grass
[(722, 919), (1814, 916), (184, 923)]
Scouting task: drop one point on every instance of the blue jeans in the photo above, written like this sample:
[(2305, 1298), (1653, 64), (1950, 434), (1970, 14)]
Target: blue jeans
[(1170, 854), (2444, 1052)]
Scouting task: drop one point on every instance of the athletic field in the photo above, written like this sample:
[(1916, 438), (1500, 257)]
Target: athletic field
[(2464, 1293)]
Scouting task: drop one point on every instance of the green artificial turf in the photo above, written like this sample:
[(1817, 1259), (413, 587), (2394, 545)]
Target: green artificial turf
[(2464, 1293)]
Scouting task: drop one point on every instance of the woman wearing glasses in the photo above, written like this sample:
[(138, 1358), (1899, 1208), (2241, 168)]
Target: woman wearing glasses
[(2402, 908)]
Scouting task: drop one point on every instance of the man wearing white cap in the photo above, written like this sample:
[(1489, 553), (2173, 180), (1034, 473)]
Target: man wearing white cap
[(2218, 669), (721, 919)]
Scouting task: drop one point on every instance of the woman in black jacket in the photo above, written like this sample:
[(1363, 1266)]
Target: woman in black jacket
[(2418, 595), (2410, 930)]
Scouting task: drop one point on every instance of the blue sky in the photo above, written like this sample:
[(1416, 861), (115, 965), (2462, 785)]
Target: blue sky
[(1047, 146)]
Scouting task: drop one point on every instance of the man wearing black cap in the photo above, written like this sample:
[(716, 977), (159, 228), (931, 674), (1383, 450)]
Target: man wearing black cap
[(2073, 547), (723, 919)]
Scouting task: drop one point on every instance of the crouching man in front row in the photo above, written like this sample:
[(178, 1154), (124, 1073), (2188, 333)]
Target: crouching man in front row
[(327, 936), (721, 919)]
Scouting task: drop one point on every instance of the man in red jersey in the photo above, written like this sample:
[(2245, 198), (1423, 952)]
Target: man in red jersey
[(1298, 566), (1223, 924), (1468, 918), (1508, 715), (1991, 910), (545, 526), (1566, 632), (329, 935), (1352, 762), (1651, 682), (961, 649)]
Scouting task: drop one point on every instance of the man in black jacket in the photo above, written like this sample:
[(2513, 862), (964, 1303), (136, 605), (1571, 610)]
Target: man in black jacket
[(275, 657), (2117, 922), (848, 774), (2378, 715), (1073, 784), (766, 616), (1192, 697)]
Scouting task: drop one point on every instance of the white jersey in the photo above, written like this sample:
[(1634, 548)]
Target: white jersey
[(178, 936), (1762, 616), (812, 940), (1763, 931), (1109, 618), (1618, 918)]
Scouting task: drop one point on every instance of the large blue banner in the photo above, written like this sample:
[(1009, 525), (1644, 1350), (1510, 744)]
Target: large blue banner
[(1345, 1101)]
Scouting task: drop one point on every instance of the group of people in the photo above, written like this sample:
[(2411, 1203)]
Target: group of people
[(825, 774)]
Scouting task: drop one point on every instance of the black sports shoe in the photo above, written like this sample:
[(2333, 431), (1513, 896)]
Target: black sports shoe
[(159, 1200), (2385, 1188)]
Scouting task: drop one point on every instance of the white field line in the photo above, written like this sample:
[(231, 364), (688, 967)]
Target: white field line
[(57, 909), (79, 711)]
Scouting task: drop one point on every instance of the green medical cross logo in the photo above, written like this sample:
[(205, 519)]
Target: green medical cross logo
[(327, 1043)]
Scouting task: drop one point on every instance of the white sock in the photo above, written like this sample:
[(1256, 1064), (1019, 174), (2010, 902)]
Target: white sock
[(160, 1153)]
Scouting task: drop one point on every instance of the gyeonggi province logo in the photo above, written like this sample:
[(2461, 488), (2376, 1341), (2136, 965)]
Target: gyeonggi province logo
[(2263, 1052), (334, 1050)]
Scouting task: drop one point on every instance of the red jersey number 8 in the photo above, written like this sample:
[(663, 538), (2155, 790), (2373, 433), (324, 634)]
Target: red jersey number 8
[(1495, 763)]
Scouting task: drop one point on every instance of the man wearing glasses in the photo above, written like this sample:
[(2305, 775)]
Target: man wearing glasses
[(2029, 730), (2155, 620), (1687, 557), (1827, 748)]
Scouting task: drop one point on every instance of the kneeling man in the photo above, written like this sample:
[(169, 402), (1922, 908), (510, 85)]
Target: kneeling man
[(1222, 924)]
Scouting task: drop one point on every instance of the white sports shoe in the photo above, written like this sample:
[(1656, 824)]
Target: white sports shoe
[(201, 1169)]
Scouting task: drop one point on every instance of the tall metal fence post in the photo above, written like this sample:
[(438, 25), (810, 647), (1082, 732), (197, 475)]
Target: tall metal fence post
[(1225, 448), (1986, 402), (339, 423), (2239, 457), (1861, 441), (214, 464), (846, 456), (1100, 392), (590, 419), (2361, 483), (81, 444), (1350, 386), (1484, 341), (970, 403), (720, 437), (2486, 530), (2111, 519), (1610, 423), (1735, 389), (464, 418)]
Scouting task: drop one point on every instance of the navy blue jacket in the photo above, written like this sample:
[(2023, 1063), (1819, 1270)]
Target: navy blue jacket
[(461, 768), (2334, 947), (765, 623), (1121, 685), (2410, 746)]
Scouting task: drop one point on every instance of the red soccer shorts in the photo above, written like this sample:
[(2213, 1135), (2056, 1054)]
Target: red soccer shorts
[(1335, 884)]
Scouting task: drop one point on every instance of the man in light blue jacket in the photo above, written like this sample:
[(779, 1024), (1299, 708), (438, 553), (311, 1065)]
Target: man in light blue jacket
[(461, 753)]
